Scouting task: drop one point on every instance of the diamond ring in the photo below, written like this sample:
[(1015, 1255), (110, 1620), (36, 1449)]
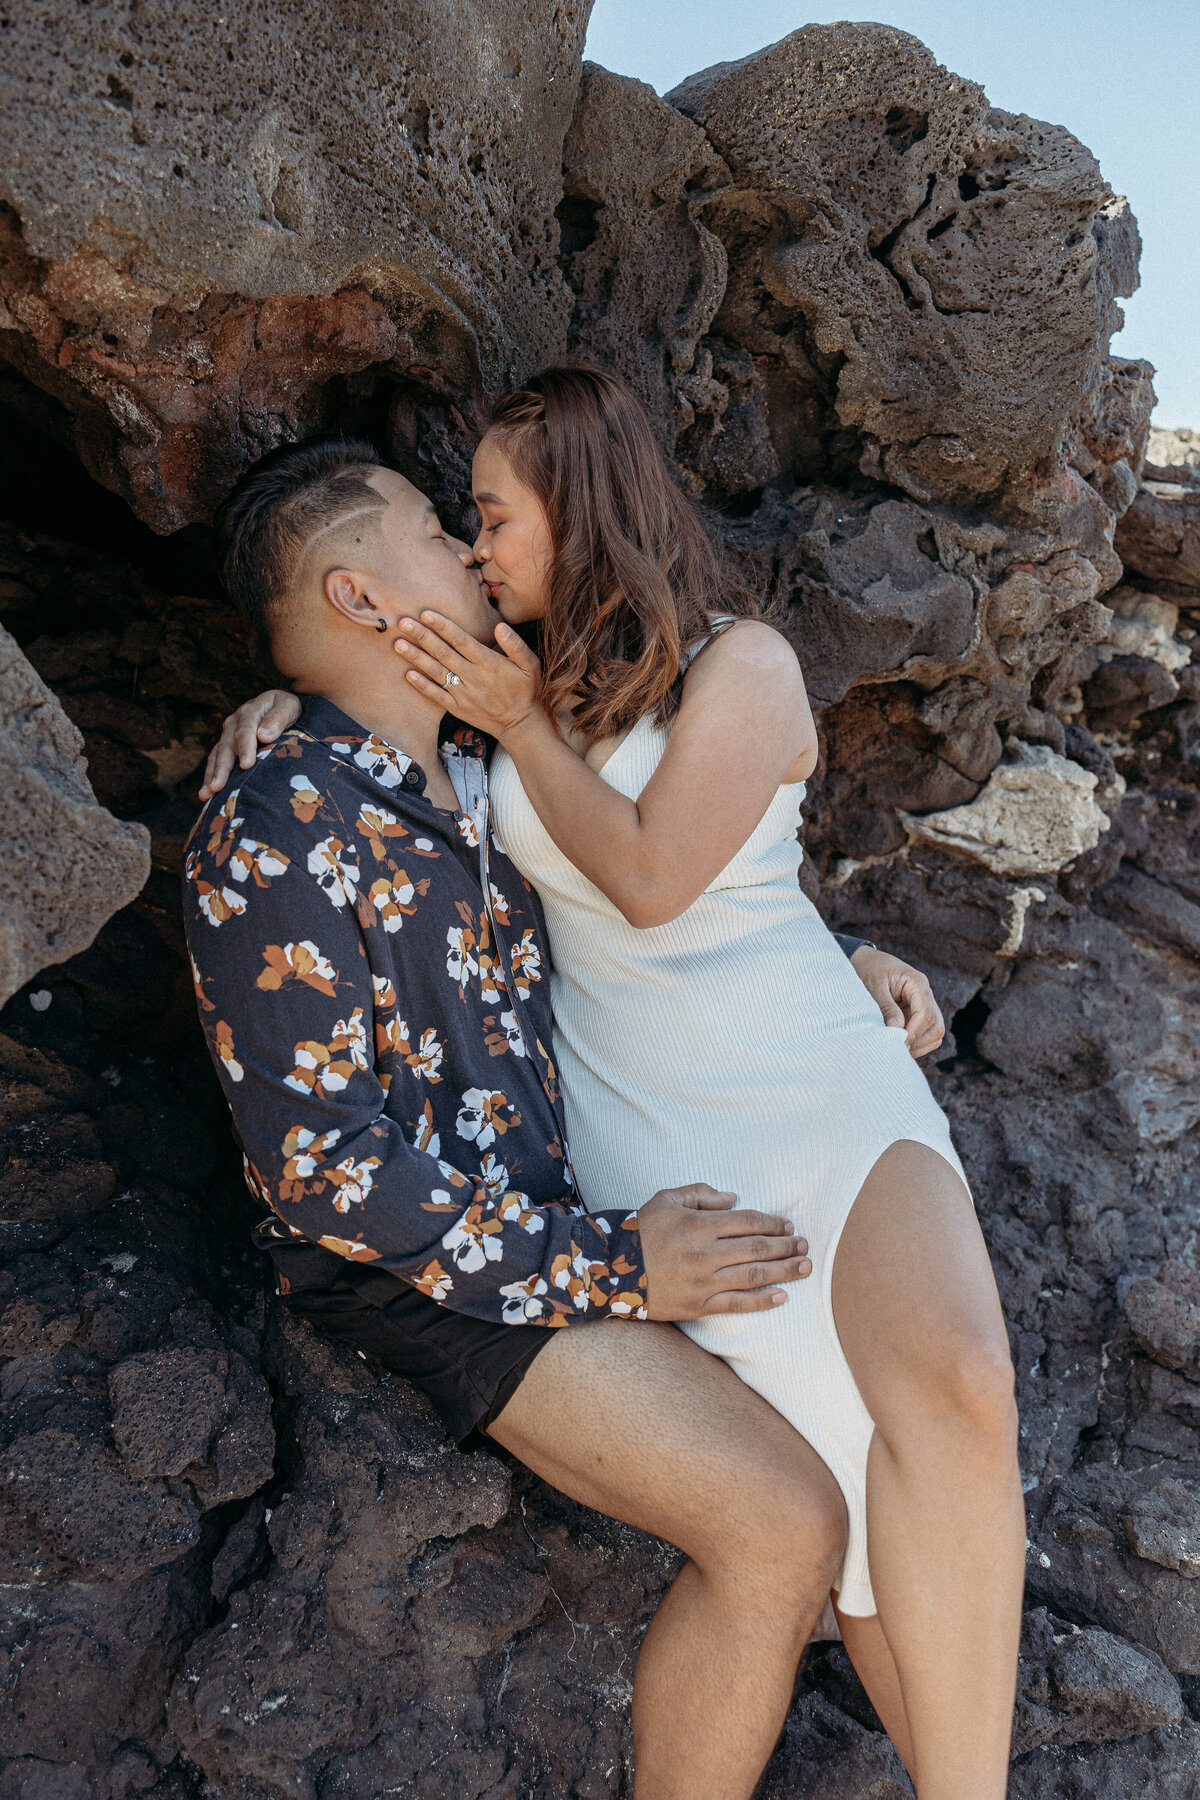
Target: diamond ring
[(452, 680)]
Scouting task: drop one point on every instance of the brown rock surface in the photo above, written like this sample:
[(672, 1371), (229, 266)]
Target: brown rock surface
[(265, 204), (255, 1563)]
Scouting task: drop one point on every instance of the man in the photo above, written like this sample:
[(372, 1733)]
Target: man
[(371, 974)]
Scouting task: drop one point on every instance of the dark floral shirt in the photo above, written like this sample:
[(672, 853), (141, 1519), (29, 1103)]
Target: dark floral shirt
[(371, 973)]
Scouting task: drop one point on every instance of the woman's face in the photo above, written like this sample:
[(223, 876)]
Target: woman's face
[(513, 545)]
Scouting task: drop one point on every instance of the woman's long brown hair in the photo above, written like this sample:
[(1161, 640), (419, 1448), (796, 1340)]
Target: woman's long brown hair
[(634, 577)]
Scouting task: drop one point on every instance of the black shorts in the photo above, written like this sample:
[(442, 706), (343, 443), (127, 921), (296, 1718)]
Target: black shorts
[(468, 1368)]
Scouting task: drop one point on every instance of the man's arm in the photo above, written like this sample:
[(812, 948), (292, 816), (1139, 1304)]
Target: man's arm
[(290, 1011)]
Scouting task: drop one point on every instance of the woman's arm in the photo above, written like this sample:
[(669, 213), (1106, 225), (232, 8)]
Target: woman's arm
[(743, 726), (258, 721)]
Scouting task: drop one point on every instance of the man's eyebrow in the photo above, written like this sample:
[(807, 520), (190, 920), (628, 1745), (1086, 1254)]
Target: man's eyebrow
[(429, 513)]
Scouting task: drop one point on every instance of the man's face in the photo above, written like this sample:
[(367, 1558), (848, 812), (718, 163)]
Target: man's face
[(423, 566)]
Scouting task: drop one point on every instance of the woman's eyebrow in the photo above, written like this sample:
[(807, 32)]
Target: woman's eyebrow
[(490, 500)]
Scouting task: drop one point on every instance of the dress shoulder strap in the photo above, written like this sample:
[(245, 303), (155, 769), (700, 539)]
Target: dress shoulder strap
[(719, 623)]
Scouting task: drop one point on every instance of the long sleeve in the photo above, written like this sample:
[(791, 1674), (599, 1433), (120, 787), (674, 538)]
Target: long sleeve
[(848, 945), (315, 1014)]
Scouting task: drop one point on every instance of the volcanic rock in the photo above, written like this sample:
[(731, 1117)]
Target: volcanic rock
[(870, 315), (68, 864), (1034, 815)]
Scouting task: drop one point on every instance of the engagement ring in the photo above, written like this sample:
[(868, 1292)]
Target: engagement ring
[(452, 680)]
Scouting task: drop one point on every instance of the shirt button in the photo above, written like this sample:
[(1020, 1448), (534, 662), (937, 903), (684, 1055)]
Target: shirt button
[(412, 778)]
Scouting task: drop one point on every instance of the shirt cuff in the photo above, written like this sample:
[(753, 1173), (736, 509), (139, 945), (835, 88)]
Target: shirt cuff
[(850, 944)]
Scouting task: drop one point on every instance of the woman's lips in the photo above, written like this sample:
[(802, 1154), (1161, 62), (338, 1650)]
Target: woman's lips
[(493, 587)]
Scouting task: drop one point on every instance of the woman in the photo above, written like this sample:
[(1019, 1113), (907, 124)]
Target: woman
[(648, 782)]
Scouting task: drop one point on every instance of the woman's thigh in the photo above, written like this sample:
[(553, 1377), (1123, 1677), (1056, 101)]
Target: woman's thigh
[(633, 1419), (914, 1297)]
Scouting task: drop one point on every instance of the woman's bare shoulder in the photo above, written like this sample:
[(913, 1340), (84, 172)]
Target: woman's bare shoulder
[(750, 647)]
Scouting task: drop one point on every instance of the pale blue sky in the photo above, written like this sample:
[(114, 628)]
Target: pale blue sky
[(1123, 75)]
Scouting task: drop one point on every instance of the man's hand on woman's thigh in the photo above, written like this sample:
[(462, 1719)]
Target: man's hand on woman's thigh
[(704, 1258)]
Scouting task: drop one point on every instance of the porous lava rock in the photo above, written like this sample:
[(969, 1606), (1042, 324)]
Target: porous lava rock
[(269, 202), (873, 190), (253, 1561), (68, 864)]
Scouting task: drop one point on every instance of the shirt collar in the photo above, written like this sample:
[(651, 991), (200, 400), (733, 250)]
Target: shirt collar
[(383, 762), (390, 768)]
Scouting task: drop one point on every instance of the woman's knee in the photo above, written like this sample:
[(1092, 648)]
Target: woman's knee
[(967, 1380)]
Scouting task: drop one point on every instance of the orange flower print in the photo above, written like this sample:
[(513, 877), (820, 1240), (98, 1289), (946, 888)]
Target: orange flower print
[(508, 1037), (392, 897), (385, 992), (355, 1251), (499, 906), (325, 1069), (391, 1039), (375, 824), (481, 1117), (223, 1039), (526, 963), (335, 870), (432, 1280), (259, 860), (306, 802), (198, 983), (218, 904), (297, 962), (495, 1175), (223, 826), (474, 1240), (387, 766), (427, 1138), (303, 1152), (352, 1182), (467, 830), (522, 1302)]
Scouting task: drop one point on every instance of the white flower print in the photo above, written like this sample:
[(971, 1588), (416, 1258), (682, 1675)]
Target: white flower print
[(354, 1182), (470, 1243), (526, 962), (386, 765), (468, 830), (392, 899), (480, 1117), (335, 869), (251, 857), (495, 1175), (428, 1056), (512, 1031), (522, 1302), (461, 961)]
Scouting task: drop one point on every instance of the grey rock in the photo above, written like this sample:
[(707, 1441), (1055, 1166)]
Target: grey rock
[(1163, 1526), (1164, 1315), (1086, 1686), (879, 189), (52, 907)]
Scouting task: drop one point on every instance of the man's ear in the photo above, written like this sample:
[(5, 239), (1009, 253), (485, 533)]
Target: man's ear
[(347, 591)]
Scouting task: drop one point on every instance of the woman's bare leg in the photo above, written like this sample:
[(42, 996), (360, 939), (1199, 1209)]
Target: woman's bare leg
[(875, 1667), (640, 1423), (925, 1338)]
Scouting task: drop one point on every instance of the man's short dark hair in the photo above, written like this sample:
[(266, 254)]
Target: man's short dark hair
[(278, 506)]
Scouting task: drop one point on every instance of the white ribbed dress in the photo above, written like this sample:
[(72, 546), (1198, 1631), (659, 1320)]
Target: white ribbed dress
[(735, 1046)]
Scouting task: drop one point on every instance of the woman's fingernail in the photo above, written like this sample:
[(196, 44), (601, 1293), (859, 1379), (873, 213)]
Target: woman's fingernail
[(778, 1299)]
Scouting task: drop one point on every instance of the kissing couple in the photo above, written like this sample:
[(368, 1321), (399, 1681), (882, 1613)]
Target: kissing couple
[(562, 1101)]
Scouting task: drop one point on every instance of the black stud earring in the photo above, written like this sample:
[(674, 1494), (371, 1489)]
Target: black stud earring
[(382, 625)]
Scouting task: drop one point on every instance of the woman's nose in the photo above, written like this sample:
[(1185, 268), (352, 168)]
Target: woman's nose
[(482, 550)]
